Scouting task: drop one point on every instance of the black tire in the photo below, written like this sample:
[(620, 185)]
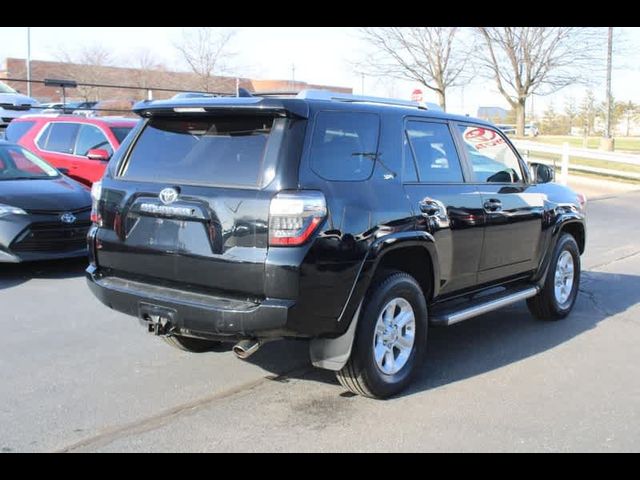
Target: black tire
[(545, 305), (361, 375), (188, 344)]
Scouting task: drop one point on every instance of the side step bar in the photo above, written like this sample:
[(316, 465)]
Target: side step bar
[(493, 302)]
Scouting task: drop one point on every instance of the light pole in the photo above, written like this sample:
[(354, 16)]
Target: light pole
[(609, 52), (28, 61)]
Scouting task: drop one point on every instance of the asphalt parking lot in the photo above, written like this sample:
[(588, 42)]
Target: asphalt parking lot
[(79, 377)]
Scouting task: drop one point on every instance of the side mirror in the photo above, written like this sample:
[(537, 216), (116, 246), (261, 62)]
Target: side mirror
[(542, 173), (98, 154), (63, 171)]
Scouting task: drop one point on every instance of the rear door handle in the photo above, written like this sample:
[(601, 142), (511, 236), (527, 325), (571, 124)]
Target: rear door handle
[(493, 205)]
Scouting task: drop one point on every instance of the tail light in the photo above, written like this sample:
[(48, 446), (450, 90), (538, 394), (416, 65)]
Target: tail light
[(96, 192), (295, 216)]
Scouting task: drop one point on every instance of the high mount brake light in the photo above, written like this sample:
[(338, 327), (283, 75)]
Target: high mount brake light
[(295, 216)]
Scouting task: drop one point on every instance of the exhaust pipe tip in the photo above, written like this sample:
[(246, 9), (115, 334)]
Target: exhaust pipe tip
[(245, 348)]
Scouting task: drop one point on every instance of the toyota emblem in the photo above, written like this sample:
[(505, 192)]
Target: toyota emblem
[(168, 195), (67, 217)]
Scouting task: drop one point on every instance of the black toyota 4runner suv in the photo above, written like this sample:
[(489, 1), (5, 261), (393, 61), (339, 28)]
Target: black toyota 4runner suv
[(355, 222)]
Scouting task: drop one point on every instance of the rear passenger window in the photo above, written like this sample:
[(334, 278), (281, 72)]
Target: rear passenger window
[(59, 137), (345, 145), (434, 152)]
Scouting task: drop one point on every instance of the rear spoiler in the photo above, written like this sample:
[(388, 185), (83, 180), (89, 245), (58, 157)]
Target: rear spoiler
[(282, 107)]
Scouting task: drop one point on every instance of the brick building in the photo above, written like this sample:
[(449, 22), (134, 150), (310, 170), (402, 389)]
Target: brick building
[(179, 81)]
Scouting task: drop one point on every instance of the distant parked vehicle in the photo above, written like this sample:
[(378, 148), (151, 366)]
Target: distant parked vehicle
[(50, 107), (13, 104), (105, 108), (530, 130), (81, 145), (507, 129), (43, 214)]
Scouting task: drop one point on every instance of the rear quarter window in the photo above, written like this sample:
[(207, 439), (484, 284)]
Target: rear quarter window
[(344, 145), (17, 130)]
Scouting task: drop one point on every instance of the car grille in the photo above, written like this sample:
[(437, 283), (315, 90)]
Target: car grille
[(52, 237), (11, 106)]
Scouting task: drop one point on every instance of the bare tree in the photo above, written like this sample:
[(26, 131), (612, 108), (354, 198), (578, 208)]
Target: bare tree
[(431, 56), (587, 115), (570, 110), (148, 69), (631, 111), (205, 49), (540, 60), (84, 66)]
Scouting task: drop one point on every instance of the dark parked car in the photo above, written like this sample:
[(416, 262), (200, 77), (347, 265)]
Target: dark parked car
[(43, 214), (355, 222), (67, 108)]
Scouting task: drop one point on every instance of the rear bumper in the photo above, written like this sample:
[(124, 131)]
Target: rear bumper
[(191, 313)]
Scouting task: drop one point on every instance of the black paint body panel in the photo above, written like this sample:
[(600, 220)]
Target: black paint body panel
[(225, 253)]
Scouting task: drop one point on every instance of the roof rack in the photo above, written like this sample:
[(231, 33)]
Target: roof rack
[(346, 97), (275, 94)]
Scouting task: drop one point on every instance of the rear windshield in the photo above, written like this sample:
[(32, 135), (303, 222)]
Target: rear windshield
[(17, 130), (17, 163), (226, 151)]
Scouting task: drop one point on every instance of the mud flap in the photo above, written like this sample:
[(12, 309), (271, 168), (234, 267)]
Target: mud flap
[(334, 353)]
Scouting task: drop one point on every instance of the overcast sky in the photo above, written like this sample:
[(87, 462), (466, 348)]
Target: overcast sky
[(320, 55)]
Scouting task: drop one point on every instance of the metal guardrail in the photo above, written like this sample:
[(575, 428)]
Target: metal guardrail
[(629, 158), (565, 152), (593, 170)]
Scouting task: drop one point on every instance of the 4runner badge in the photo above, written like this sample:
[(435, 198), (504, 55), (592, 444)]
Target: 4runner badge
[(168, 195)]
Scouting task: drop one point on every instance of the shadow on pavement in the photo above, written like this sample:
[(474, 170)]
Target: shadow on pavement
[(493, 340), (14, 274)]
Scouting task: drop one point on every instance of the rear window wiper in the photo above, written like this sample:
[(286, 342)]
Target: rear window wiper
[(375, 156)]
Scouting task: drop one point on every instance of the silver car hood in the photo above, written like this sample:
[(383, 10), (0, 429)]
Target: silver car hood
[(16, 99)]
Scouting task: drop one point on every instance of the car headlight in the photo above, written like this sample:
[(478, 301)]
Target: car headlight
[(9, 210)]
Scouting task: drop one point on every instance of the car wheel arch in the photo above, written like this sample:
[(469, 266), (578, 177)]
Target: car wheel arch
[(392, 252)]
